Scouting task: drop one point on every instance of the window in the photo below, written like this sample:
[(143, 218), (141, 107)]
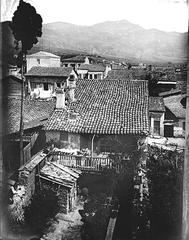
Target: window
[(64, 136), (73, 65), (95, 76), (33, 86), (184, 126), (105, 148), (90, 76), (45, 86), (58, 85), (65, 65), (157, 127), (72, 77), (38, 61)]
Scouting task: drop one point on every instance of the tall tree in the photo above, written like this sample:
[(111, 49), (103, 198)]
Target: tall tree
[(26, 26)]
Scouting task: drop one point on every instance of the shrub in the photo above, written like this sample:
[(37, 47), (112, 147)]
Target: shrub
[(165, 173)]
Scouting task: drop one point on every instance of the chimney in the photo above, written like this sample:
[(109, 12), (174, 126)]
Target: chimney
[(60, 98), (72, 86), (107, 69)]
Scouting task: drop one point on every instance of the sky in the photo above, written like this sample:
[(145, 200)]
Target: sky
[(166, 15)]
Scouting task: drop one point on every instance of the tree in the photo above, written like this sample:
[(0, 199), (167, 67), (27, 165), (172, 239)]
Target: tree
[(26, 26)]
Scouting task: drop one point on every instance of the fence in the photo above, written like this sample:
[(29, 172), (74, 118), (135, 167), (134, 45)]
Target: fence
[(86, 163)]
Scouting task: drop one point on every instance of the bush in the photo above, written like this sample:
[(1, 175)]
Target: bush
[(165, 173), (43, 207)]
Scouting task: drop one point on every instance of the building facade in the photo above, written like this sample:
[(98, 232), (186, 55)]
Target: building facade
[(106, 116), (43, 81), (42, 59)]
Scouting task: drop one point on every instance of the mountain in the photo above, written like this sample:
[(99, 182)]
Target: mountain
[(120, 39), (117, 39)]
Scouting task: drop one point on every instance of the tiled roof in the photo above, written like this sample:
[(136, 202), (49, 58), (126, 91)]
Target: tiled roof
[(50, 71), (139, 73), (174, 105), (105, 107), (156, 104), (35, 113), (120, 74), (92, 67), (117, 67), (127, 74), (43, 55), (78, 58)]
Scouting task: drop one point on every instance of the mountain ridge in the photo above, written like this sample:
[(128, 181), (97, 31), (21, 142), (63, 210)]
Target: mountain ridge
[(121, 39)]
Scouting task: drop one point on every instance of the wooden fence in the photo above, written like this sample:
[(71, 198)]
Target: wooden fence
[(86, 163)]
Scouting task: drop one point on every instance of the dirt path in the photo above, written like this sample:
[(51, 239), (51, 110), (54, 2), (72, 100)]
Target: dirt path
[(67, 226)]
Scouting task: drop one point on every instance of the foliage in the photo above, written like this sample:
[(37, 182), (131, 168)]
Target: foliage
[(95, 217), (165, 172), (26, 25), (43, 207)]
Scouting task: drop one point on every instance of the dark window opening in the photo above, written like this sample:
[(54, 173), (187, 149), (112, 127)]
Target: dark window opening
[(184, 125), (156, 127), (38, 61), (45, 86), (105, 148), (58, 85), (33, 86), (90, 76), (71, 77), (95, 76)]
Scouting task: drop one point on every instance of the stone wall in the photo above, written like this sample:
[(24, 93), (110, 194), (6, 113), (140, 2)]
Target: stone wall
[(27, 179), (62, 192)]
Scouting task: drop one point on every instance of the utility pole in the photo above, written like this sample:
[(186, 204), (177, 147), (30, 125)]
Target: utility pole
[(185, 210), (22, 109)]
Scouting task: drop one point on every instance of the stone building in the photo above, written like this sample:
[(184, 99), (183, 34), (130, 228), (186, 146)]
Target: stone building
[(105, 116), (64, 179)]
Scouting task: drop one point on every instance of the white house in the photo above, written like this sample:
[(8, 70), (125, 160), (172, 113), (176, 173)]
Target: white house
[(156, 115), (42, 59), (43, 81), (92, 71), (75, 62)]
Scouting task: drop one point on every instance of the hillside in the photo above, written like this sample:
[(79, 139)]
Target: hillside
[(115, 38), (120, 39)]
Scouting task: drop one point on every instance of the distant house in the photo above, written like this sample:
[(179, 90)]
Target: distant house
[(43, 81), (42, 59), (91, 71), (139, 73), (175, 115), (75, 62), (35, 114), (167, 80), (107, 116), (135, 74), (118, 66), (156, 115)]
